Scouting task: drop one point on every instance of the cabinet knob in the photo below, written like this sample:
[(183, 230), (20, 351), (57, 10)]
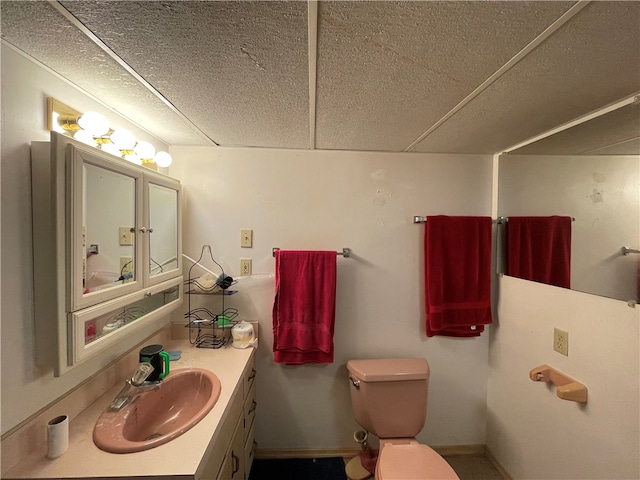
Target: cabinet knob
[(143, 229), (147, 294), (150, 229)]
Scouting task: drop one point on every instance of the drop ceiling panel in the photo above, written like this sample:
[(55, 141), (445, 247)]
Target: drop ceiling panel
[(239, 70), (387, 71), (592, 61), (39, 30)]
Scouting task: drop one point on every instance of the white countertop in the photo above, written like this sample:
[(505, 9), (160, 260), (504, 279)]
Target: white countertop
[(179, 457)]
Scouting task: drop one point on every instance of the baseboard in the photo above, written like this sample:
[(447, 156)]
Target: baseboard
[(459, 450), (275, 453), (492, 458)]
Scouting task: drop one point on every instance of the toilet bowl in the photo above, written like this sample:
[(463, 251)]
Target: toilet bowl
[(389, 400), (403, 459)]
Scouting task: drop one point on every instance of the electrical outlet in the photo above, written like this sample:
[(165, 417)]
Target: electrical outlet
[(245, 266), (126, 236), (561, 341), (126, 266), (246, 238)]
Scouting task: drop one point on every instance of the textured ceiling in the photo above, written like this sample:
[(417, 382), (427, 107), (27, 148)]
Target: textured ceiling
[(425, 76), (616, 133)]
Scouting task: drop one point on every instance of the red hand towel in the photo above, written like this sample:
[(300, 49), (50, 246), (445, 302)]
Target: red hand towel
[(304, 307), (457, 275), (539, 249)]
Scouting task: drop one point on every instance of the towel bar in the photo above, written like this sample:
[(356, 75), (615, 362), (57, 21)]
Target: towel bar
[(567, 387), (346, 252), (499, 220)]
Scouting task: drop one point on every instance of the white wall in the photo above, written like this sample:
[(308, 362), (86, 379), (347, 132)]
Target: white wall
[(533, 433), (330, 200), (25, 87)]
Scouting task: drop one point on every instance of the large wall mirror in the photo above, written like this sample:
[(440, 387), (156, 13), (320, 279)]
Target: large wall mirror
[(591, 173)]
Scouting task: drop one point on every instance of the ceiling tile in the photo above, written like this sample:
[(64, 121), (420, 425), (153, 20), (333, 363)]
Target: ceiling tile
[(40, 31), (592, 61), (387, 71), (238, 70)]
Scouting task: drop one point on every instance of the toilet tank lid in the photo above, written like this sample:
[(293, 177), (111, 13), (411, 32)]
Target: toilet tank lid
[(389, 369)]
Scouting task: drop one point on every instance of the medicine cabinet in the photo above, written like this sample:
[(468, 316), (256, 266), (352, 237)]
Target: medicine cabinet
[(107, 252)]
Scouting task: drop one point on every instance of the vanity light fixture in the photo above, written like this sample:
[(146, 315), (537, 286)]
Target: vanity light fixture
[(92, 128)]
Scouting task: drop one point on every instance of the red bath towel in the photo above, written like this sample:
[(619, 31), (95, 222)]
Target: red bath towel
[(539, 249), (304, 306), (457, 256)]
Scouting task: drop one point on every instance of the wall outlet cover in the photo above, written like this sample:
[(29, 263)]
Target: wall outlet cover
[(561, 341), (245, 266)]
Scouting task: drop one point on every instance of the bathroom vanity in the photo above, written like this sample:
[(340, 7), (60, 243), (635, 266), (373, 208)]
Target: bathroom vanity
[(219, 447)]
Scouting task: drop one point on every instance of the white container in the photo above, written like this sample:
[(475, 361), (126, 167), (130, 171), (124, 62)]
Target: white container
[(57, 436), (243, 335)]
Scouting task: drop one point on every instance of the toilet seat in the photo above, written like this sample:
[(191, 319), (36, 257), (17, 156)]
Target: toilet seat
[(412, 461)]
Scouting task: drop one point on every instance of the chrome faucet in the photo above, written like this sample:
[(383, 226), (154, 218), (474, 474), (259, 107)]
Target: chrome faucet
[(135, 386)]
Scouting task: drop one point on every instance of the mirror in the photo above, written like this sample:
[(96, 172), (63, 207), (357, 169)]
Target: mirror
[(108, 221), (590, 172), (163, 219)]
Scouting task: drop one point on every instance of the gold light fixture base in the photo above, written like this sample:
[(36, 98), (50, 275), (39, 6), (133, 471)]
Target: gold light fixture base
[(67, 115), (149, 163)]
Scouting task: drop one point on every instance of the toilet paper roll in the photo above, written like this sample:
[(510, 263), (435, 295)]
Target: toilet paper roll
[(57, 436)]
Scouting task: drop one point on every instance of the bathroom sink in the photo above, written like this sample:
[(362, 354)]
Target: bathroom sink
[(156, 417)]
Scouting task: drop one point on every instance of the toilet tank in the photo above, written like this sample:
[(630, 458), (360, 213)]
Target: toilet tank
[(389, 396)]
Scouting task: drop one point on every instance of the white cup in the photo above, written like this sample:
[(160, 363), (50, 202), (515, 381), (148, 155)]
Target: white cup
[(57, 436)]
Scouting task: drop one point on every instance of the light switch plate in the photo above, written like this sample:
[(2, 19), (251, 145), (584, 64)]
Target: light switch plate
[(246, 238), (126, 236)]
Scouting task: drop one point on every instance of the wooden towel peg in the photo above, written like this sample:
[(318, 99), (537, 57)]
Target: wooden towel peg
[(566, 387)]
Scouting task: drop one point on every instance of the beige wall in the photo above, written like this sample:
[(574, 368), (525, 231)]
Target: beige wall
[(25, 86), (532, 432), (330, 200)]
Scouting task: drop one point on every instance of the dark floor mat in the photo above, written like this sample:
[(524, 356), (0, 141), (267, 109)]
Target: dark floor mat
[(299, 469)]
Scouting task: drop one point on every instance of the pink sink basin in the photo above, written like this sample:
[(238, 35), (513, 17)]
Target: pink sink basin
[(158, 416)]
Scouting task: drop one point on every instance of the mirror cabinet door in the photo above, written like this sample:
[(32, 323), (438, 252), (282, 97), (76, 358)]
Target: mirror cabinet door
[(105, 241), (163, 226), (98, 327)]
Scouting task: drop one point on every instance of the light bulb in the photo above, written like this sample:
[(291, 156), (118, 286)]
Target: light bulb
[(54, 123), (94, 123), (145, 150), (84, 137), (133, 158), (123, 138), (111, 148), (162, 159)]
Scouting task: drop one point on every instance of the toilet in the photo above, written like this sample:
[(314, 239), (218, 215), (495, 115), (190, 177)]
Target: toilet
[(389, 400)]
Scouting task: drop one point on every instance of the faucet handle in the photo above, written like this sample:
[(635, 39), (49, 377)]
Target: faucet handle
[(143, 370)]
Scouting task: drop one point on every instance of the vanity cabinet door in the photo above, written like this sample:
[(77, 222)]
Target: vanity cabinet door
[(233, 464), (105, 211), (162, 228)]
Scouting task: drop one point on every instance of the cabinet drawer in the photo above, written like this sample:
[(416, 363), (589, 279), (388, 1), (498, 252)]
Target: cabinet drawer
[(249, 374), (250, 448), (250, 406)]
